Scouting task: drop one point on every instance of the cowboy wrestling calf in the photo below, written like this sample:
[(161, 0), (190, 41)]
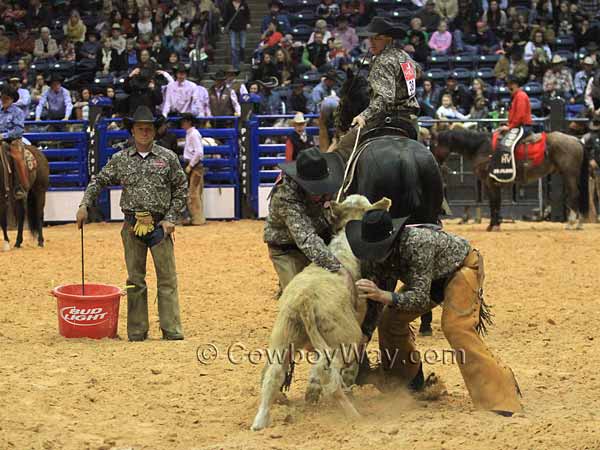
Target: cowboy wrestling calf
[(320, 309)]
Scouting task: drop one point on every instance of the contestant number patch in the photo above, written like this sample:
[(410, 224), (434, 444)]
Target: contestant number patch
[(408, 69)]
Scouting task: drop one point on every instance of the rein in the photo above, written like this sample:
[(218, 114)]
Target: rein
[(350, 168)]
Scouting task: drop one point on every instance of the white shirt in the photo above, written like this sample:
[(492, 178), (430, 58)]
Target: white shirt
[(193, 151)]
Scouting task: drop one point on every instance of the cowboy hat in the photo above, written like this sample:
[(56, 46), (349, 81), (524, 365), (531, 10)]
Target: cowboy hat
[(54, 77), (9, 91), (269, 83), (231, 69), (189, 117), (142, 114), (298, 118), (180, 68), (513, 79), (332, 75), (557, 59), (219, 76), (372, 237), (386, 27), (317, 173), (116, 26), (588, 61)]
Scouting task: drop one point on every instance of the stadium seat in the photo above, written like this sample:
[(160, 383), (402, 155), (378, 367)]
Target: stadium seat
[(403, 14), (64, 68), (440, 62), (40, 67), (485, 73), (436, 74), (426, 121), (466, 61), (295, 5), (104, 81), (462, 74), (9, 69), (536, 104), (385, 4), (302, 32), (574, 110), (566, 54), (487, 60), (565, 42), (306, 17), (533, 88), (312, 77)]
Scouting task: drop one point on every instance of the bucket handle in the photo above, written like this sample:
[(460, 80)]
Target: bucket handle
[(122, 292)]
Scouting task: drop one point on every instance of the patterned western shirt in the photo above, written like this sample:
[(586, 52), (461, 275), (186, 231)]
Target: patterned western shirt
[(155, 183), (12, 122), (420, 257), (392, 83), (295, 220)]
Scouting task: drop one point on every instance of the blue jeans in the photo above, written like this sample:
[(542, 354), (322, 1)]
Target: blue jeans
[(237, 40)]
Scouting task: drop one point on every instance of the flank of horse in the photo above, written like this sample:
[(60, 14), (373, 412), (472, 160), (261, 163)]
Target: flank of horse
[(32, 207), (320, 310), (564, 155)]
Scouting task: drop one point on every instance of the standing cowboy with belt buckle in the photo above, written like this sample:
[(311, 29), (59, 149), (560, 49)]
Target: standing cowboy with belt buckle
[(423, 257), (297, 229), (393, 86), (12, 123), (154, 190), (193, 153)]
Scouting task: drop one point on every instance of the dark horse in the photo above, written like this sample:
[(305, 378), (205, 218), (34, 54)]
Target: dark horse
[(33, 206), (564, 155)]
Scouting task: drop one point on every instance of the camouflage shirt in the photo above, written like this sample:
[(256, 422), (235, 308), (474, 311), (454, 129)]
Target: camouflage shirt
[(591, 143), (295, 220), (420, 257), (392, 84), (155, 183)]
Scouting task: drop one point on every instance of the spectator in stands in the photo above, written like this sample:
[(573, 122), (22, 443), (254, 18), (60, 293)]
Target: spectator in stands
[(82, 106), (460, 97), (298, 140), (24, 100), (37, 16), (323, 89), (108, 60), (328, 10), (117, 41), (266, 68), (558, 80), (512, 64), (173, 62), (589, 7), (202, 107), (142, 90), (4, 45), (465, 40), (429, 16), (46, 48), (585, 33), (24, 71), (144, 25), (440, 41), (66, 51), (299, 100), (276, 13), (75, 29), (592, 94), (538, 65), (479, 110), (89, 49), (337, 54), (12, 13), (166, 138), (179, 43), (468, 12), (236, 16), (447, 110), (159, 51), (428, 98), (271, 37), (315, 53), (537, 42), (478, 88), (546, 26), (271, 102), (131, 53), (487, 42), (346, 34), (417, 47), (360, 12), (582, 77), (284, 68), (23, 45), (38, 89), (320, 27), (447, 9), (180, 94), (55, 103), (495, 18), (223, 100), (193, 153)]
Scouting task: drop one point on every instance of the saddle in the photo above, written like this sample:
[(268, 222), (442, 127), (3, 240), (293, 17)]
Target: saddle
[(531, 150), (502, 165)]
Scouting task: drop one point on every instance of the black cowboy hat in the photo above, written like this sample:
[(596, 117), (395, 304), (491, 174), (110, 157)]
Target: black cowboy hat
[(269, 83), (316, 172), (332, 75), (8, 91), (386, 27), (231, 69), (54, 77), (219, 75), (180, 68), (372, 237), (513, 79), (142, 114), (189, 117)]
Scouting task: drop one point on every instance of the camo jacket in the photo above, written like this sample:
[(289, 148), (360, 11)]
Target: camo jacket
[(294, 220), (420, 257), (155, 183), (392, 85), (591, 142)]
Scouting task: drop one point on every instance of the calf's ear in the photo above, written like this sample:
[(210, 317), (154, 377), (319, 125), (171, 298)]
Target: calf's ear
[(384, 203)]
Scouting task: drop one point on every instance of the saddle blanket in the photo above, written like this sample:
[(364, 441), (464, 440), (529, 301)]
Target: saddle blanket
[(533, 152), (30, 160)]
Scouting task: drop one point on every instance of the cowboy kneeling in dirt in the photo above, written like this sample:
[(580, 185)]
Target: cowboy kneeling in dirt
[(436, 268)]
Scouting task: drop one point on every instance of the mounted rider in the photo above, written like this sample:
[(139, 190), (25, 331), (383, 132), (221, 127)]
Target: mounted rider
[(12, 123), (519, 114), (392, 83)]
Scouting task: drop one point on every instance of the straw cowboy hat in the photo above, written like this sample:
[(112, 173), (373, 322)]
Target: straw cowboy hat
[(557, 59), (142, 115), (9, 91), (298, 118), (372, 237), (588, 61), (385, 27), (317, 173)]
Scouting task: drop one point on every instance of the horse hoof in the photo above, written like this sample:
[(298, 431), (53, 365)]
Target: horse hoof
[(496, 228), (18, 245), (40, 244), (5, 246), (489, 228), (579, 226), (569, 226)]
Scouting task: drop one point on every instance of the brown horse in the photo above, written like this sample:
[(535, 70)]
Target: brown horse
[(564, 155), (33, 206)]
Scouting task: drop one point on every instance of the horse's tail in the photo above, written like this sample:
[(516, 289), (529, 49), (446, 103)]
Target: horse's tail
[(584, 181), (33, 217)]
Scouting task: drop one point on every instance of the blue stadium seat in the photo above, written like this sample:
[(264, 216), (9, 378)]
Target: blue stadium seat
[(487, 60), (536, 104), (565, 42), (426, 121), (462, 74), (574, 110), (306, 17), (466, 61), (436, 74), (65, 68), (533, 88), (9, 69), (502, 94), (302, 32), (404, 14), (40, 67), (312, 77), (566, 54), (104, 81), (440, 62), (485, 73), (295, 5)]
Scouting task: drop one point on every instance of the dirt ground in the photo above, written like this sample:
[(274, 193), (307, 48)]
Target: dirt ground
[(112, 394)]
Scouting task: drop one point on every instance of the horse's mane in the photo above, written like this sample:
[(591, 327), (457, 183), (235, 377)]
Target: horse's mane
[(465, 142), (354, 99)]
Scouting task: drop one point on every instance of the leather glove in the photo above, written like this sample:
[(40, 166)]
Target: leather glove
[(144, 224), (188, 169), (168, 227), (359, 121), (81, 216)]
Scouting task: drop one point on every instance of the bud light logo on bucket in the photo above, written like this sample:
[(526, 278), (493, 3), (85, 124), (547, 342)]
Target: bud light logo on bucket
[(83, 317)]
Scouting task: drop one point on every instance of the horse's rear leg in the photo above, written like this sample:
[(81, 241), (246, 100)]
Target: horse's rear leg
[(572, 203), (20, 208), (3, 224), (39, 204)]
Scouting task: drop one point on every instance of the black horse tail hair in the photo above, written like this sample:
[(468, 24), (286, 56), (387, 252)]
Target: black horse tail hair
[(584, 181), (33, 218)]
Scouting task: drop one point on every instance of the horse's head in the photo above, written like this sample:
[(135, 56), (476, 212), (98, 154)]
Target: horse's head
[(354, 99), (354, 207)]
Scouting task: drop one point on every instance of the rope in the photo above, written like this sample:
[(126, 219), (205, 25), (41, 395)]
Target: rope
[(350, 168), (82, 265)]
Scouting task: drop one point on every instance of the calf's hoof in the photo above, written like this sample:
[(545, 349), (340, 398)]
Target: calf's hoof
[(261, 421), (313, 393)]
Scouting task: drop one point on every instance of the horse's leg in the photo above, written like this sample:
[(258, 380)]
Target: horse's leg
[(3, 224), (495, 195), (572, 189), (20, 208), (38, 205), (465, 218)]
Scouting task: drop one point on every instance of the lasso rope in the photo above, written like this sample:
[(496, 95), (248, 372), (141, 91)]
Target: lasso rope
[(350, 168)]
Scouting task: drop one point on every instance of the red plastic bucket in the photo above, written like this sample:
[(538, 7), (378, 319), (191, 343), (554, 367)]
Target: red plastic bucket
[(93, 315)]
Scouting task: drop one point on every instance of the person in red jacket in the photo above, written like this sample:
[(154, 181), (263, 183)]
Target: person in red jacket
[(519, 114)]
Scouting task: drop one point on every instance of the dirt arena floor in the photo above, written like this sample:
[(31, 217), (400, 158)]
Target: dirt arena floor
[(112, 394)]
